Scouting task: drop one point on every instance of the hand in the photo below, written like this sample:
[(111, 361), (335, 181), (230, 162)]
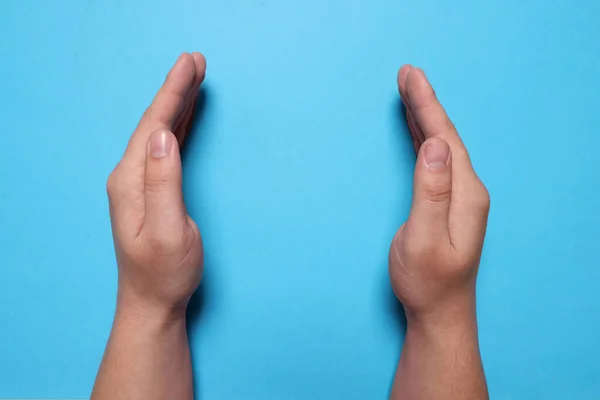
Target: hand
[(158, 246), (434, 256)]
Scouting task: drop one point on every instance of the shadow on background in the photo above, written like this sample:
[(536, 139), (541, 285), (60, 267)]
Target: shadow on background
[(195, 143), (392, 306), (195, 138)]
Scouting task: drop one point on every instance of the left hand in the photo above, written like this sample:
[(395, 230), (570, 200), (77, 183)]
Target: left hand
[(434, 257)]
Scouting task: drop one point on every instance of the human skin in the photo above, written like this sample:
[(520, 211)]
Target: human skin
[(433, 260), (158, 249), (434, 256)]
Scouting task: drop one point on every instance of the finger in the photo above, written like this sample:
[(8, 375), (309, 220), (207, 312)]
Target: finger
[(164, 207), (402, 78), (470, 200), (200, 61), (172, 97), (415, 129), (167, 105), (416, 145), (185, 125), (181, 127), (432, 191), (432, 118)]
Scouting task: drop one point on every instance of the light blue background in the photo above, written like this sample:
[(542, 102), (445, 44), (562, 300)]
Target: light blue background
[(298, 175)]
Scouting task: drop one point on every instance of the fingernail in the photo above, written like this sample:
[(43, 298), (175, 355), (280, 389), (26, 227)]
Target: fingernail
[(437, 153), (160, 144)]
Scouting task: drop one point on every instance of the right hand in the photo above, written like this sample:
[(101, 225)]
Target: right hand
[(158, 246), (434, 257)]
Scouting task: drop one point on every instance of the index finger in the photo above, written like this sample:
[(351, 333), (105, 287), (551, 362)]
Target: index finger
[(469, 202), (430, 115), (168, 104)]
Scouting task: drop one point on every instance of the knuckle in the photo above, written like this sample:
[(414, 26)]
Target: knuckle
[(156, 184), (436, 193)]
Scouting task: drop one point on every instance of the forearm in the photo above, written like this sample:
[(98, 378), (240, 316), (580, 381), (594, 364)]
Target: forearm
[(440, 358), (147, 357)]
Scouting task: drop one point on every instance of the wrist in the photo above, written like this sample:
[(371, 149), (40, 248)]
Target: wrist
[(139, 309), (451, 315)]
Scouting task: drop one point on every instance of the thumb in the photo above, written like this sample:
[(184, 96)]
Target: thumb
[(165, 209), (432, 190)]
